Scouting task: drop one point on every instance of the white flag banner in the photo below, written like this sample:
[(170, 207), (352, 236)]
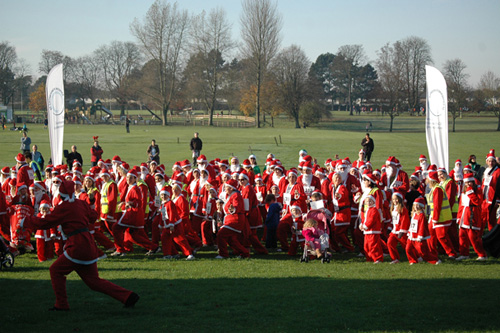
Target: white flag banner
[(54, 91), (436, 124)]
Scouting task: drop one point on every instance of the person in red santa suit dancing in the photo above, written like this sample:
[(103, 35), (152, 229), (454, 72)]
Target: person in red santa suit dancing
[(173, 229), (417, 249), (132, 219), (400, 226), (342, 212), (440, 216), (491, 177), (470, 219), (234, 222), (19, 208), (372, 229), (80, 251)]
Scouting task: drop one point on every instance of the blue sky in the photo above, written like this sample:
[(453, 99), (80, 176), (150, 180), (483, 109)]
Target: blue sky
[(469, 30)]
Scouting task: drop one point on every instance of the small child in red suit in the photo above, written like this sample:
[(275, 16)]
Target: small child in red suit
[(372, 229), (417, 249), (45, 238)]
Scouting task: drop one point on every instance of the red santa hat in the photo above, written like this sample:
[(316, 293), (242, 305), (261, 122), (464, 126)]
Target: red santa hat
[(224, 163), (370, 177), (277, 166), (399, 194), (469, 177), (166, 190), (459, 161), (307, 165), (258, 177), (107, 162), (269, 160), (295, 207), (95, 138), (308, 158), (432, 167), (185, 164), (77, 180), (125, 167), (468, 169), (76, 164), (104, 172), (391, 161), (252, 156), (144, 166), (415, 176), (320, 171), (291, 172), (422, 157), (328, 161), (20, 158), (90, 175), (117, 159), (132, 172), (491, 154), (177, 166), (375, 172), (201, 159), (40, 185), (419, 201), (302, 152), (44, 204), (5, 170), (346, 161), (246, 164), (152, 162), (49, 168), (13, 182), (78, 170), (372, 198), (232, 183), (243, 174), (67, 190), (433, 175), (442, 169)]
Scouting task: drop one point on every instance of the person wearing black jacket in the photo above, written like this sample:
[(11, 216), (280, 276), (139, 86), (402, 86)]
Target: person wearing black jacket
[(154, 152), (368, 146), (195, 145), (74, 155)]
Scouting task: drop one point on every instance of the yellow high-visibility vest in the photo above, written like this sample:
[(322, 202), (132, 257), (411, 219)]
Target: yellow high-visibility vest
[(445, 214)]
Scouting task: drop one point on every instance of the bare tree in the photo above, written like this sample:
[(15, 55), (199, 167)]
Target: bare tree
[(260, 31), (489, 88), (211, 38), (456, 79), (8, 59), (349, 59), (119, 60), (86, 73), (51, 58), (290, 70), (161, 34), (414, 53), (390, 73)]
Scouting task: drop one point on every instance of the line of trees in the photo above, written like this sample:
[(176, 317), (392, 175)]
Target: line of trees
[(181, 61)]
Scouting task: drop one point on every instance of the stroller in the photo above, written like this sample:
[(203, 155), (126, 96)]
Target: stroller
[(6, 257), (322, 219)]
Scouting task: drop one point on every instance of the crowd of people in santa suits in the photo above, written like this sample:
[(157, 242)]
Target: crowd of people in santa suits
[(219, 203)]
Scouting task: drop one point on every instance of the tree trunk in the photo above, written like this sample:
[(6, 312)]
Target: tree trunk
[(165, 115), (392, 121), (122, 110), (498, 126), (454, 120), (297, 125)]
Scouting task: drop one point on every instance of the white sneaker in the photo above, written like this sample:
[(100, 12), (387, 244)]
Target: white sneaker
[(377, 262), (220, 257), (117, 254), (438, 262), (462, 258), (190, 257), (395, 262), (482, 258)]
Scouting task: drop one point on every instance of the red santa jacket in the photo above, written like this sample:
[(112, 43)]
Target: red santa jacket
[(341, 205), (111, 193), (169, 215), (74, 218), (490, 181), (293, 195), (400, 222), (133, 214), (25, 175), (418, 228), (469, 210), (250, 203), (314, 184), (234, 219), (400, 183), (372, 224)]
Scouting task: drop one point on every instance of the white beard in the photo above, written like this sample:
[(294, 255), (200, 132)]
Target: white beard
[(202, 167), (388, 172), (459, 172), (55, 190), (276, 179), (235, 168), (143, 175), (424, 165), (343, 175), (38, 196), (203, 181), (160, 185), (2, 178), (307, 179), (115, 171)]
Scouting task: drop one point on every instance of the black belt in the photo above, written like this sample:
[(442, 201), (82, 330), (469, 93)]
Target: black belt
[(343, 207), (76, 232)]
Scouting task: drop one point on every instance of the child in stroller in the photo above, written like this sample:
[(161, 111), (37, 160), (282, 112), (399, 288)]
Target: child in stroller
[(317, 240)]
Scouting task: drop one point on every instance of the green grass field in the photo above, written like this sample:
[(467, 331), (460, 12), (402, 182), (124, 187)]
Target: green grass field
[(272, 293)]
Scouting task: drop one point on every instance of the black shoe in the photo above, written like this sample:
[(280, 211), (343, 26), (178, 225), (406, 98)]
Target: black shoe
[(57, 309), (131, 300)]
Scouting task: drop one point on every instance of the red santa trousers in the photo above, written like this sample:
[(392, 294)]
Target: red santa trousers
[(226, 236), (255, 242), (474, 237), (138, 236), (168, 238), (207, 233), (284, 228), (441, 234), (102, 240), (340, 237), (415, 250), (373, 248), (89, 274), (392, 244), (44, 249)]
